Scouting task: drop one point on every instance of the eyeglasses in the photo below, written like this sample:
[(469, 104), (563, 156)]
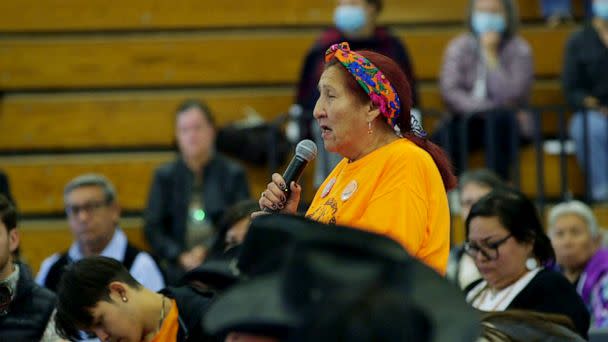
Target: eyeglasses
[(89, 207), (488, 250)]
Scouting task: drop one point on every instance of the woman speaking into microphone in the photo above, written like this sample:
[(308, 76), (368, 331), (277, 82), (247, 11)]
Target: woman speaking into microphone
[(392, 180)]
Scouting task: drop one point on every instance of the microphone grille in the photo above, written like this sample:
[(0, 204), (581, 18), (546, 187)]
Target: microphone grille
[(307, 150)]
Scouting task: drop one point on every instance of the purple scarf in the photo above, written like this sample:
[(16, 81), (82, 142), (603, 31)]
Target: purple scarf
[(596, 267)]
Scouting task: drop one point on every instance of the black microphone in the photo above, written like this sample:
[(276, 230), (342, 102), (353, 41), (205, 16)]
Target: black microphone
[(306, 151)]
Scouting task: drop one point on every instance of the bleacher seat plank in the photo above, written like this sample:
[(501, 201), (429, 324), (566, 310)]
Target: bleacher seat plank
[(552, 176), (37, 181), (100, 120), (41, 238), (427, 49), (195, 59), (92, 15), (151, 60), (125, 119)]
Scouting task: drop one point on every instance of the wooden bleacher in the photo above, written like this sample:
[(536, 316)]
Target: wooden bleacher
[(148, 115), (37, 181), (97, 15), (85, 76), (211, 59)]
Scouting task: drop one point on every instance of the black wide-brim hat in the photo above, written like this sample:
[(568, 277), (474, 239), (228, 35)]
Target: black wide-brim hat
[(321, 261), (218, 273)]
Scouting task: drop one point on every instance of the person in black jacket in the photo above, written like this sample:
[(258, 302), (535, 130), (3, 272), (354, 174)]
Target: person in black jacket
[(98, 295), (189, 195), (25, 307), (585, 83), (510, 249)]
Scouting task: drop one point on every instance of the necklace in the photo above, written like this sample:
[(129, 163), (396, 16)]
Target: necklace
[(162, 313), (484, 293)]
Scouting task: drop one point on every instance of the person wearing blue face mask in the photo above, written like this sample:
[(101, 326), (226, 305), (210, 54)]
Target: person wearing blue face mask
[(355, 22), (485, 81), (585, 82)]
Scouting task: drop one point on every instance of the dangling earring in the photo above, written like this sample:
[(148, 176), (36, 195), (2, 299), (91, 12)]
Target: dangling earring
[(369, 127), (531, 264)]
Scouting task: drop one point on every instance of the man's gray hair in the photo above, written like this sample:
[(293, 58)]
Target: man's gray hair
[(577, 208), (92, 179)]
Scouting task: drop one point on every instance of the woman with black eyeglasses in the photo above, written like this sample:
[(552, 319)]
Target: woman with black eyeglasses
[(510, 249)]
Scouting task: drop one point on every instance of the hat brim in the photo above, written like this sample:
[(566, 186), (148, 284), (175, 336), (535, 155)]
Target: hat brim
[(215, 274), (256, 307), (452, 317), (252, 307)]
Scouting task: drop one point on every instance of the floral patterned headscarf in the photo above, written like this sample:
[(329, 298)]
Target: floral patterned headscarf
[(371, 79)]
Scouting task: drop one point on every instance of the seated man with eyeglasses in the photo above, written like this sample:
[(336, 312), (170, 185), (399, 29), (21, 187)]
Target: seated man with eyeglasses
[(93, 214)]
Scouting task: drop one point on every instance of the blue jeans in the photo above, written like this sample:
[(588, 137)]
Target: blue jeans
[(597, 129), (561, 7), (556, 7)]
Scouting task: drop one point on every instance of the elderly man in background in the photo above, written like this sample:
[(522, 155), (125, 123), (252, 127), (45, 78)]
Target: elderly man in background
[(93, 214)]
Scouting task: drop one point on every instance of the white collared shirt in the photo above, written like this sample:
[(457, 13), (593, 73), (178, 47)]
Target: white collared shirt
[(144, 269), (501, 299)]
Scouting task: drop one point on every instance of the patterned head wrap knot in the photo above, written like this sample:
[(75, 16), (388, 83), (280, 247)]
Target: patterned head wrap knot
[(371, 79), (374, 83)]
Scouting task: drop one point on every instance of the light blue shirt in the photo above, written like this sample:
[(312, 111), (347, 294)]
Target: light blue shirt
[(144, 269)]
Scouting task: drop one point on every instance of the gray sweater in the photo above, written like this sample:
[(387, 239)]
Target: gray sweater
[(509, 85)]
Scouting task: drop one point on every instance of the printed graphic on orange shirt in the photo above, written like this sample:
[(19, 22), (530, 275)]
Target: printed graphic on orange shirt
[(326, 212)]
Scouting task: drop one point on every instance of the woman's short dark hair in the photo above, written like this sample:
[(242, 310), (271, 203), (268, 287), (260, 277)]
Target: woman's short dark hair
[(82, 285), (8, 213), (196, 104), (517, 214)]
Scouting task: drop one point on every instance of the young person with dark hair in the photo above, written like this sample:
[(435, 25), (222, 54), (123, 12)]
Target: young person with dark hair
[(98, 295), (25, 307), (506, 239)]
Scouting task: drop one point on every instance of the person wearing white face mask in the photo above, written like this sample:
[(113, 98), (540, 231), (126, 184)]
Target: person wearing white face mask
[(585, 82), (486, 78), (355, 22)]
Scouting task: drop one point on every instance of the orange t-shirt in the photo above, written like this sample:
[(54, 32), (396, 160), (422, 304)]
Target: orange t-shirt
[(396, 191), (170, 326)]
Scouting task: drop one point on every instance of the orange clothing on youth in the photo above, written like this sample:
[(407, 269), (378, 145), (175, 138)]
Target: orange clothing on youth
[(398, 192), (170, 326)]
